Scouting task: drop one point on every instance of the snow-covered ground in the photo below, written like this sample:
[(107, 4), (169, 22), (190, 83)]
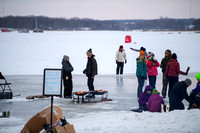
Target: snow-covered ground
[(30, 53)]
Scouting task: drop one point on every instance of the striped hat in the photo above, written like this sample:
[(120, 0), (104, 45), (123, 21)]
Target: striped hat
[(155, 91)]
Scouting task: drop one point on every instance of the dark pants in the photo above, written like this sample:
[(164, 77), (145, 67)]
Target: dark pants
[(165, 83), (195, 99), (141, 80), (90, 84), (172, 81), (152, 81), (144, 107), (68, 86), (174, 105), (120, 67)]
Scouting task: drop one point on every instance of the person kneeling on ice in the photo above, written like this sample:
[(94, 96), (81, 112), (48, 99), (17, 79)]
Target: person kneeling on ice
[(195, 93), (144, 97), (179, 92), (154, 102)]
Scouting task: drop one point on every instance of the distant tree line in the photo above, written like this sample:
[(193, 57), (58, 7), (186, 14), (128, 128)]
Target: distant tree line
[(46, 23)]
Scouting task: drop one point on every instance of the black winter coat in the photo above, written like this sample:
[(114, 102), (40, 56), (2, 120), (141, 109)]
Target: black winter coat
[(91, 67), (67, 69), (163, 64), (178, 93)]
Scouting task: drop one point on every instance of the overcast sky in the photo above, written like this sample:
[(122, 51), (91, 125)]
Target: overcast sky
[(102, 9)]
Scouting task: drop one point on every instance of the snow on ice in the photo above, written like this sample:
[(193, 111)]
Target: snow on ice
[(24, 56)]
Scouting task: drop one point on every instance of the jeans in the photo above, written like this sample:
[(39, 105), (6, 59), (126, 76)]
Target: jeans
[(141, 80), (120, 67), (165, 83), (90, 84), (152, 81), (172, 81)]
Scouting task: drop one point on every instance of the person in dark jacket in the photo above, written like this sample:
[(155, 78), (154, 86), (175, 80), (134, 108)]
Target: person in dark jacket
[(179, 92), (138, 50), (195, 93), (163, 66), (67, 77), (91, 69), (144, 97), (155, 101), (172, 72)]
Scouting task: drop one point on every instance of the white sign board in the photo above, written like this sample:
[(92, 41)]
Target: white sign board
[(52, 82)]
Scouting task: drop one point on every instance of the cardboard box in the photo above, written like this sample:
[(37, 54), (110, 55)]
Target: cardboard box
[(64, 129), (35, 124)]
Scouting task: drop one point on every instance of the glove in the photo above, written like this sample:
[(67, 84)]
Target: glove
[(84, 71), (186, 73), (187, 70), (154, 60), (125, 61)]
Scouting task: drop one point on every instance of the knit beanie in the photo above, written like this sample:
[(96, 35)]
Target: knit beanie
[(142, 52), (155, 91), (65, 57), (90, 50), (188, 81), (198, 76), (143, 49), (174, 56), (120, 47)]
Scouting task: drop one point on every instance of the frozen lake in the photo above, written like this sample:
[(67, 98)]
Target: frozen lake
[(101, 117), (30, 53), (24, 56)]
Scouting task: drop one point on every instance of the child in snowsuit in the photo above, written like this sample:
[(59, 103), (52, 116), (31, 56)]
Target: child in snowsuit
[(195, 94), (67, 77), (155, 101), (152, 71), (144, 97)]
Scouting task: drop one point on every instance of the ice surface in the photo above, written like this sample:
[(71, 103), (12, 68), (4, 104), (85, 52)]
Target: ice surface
[(101, 117)]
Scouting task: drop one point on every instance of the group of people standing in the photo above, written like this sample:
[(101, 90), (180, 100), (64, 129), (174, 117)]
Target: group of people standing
[(90, 72), (146, 66)]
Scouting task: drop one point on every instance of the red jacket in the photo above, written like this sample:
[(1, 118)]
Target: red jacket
[(173, 68), (152, 70)]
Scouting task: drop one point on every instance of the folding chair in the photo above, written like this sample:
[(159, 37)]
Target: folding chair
[(5, 86)]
